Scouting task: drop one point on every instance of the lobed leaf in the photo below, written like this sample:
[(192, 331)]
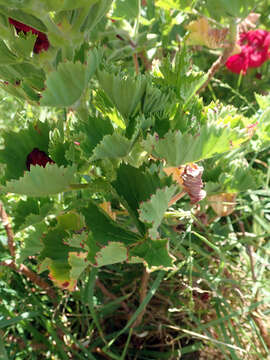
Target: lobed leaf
[(152, 211), (41, 181), (65, 85), (104, 229), (112, 253), (118, 87), (112, 147), (135, 186), (154, 253), (180, 149), (78, 263)]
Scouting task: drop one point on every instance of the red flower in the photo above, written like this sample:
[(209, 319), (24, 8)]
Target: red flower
[(38, 157), (42, 42), (254, 51)]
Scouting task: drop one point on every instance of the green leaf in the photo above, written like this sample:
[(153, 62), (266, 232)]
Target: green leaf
[(104, 229), (60, 274), (78, 264), (169, 4), (180, 149), (241, 178), (6, 56), (42, 5), (22, 80), (152, 211), (30, 212), (134, 186), (179, 77), (263, 101), (78, 240), (22, 71), (70, 221), (32, 243), (56, 254), (41, 181), (32, 219), (112, 253), (112, 147), (154, 253), (96, 13), (66, 85), (126, 9), (23, 209), (19, 15), (154, 100), (57, 151), (91, 132), (233, 8), (23, 45), (54, 247), (119, 87), (18, 145), (59, 5)]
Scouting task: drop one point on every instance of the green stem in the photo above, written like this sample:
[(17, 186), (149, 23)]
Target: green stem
[(78, 186), (240, 77)]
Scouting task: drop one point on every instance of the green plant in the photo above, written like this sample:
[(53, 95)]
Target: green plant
[(101, 171)]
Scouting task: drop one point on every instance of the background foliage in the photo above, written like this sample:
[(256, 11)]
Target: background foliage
[(111, 251)]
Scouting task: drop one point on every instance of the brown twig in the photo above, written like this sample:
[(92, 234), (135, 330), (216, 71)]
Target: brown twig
[(176, 198), (107, 293), (9, 231), (147, 64), (136, 63), (263, 330), (99, 351), (143, 292), (22, 269), (218, 64), (35, 278)]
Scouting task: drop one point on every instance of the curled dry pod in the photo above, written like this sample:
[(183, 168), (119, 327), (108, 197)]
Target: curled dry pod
[(189, 177)]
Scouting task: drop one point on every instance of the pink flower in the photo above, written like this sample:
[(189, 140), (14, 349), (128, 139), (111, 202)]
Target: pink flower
[(254, 51), (42, 42)]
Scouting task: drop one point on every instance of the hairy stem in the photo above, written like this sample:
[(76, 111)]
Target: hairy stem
[(263, 330), (220, 62), (9, 231), (32, 276), (176, 198), (136, 63), (143, 293)]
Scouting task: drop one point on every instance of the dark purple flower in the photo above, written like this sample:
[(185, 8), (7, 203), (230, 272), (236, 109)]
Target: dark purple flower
[(37, 157)]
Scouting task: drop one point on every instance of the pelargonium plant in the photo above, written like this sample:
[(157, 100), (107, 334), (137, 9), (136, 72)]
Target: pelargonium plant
[(118, 125)]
